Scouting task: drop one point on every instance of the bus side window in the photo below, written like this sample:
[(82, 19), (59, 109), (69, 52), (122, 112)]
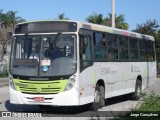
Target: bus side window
[(150, 51), (100, 49), (85, 50), (133, 43), (112, 47), (123, 48)]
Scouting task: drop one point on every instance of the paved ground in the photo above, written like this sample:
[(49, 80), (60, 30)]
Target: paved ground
[(4, 82)]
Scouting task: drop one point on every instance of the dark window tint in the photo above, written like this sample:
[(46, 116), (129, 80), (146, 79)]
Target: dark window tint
[(142, 50), (142, 55), (123, 54), (123, 42), (123, 47), (113, 54), (100, 53), (133, 43), (100, 49), (112, 41), (133, 54), (98, 39), (150, 50), (142, 44), (150, 45)]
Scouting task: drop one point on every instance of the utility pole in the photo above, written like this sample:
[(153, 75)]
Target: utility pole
[(113, 13)]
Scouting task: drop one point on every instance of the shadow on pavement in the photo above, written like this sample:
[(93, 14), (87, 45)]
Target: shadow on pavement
[(53, 111)]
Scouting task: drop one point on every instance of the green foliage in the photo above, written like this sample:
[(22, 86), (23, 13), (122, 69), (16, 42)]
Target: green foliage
[(4, 71), (119, 21), (4, 75), (98, 19), (149, 28), (9, 19), (150, 102), (95, 18), (62, 17), (7, 23)]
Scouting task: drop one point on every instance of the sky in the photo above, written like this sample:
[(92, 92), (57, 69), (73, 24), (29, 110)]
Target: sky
[(135, 11)]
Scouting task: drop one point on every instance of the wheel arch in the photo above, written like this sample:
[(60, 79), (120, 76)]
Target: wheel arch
[(101, 82), (139, 77)]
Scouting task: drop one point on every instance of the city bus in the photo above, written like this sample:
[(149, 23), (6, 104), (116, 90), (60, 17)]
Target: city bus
[(73, 63)]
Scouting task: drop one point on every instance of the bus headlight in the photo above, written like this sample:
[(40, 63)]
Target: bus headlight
[(70, 84), (72, 80), (11, 84)]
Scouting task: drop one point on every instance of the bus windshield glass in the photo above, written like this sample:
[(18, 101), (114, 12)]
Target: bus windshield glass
[(43, 55)]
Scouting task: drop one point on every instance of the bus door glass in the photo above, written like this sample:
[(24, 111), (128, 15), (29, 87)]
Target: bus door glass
[(85, 51)]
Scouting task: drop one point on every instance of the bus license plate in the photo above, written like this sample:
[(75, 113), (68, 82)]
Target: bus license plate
[(39, 99)]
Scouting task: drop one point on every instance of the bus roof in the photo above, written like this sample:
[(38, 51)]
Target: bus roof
[(101, 28)]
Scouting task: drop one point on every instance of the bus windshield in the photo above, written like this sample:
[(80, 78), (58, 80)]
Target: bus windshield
[(43, 55)]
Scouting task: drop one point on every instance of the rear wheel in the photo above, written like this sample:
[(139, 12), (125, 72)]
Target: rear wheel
[(138, 89), (102, 97)]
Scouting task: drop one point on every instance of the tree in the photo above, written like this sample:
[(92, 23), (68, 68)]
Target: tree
[(62, 17), (119, 21), (95, 18), (7, 23), (21, 20), (9, 19), (98, 19), (149, 28), (13, 18)]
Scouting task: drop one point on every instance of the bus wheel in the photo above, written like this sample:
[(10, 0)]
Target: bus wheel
[(102, 98), (99, 99), (138, 89)]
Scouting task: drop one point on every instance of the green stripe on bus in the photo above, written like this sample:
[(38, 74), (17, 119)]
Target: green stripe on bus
[(43, 87), (95, 77), (108, 30), (123, 74)]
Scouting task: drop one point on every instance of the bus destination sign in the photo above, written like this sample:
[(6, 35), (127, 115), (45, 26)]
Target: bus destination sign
[(46, 27)]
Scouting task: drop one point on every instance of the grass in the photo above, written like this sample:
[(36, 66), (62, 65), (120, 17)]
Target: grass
[(150, 102), (148, 110)]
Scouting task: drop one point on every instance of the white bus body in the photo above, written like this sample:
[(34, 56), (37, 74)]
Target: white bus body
[(114, 76)]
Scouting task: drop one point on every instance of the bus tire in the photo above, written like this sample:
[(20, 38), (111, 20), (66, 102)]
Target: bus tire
[(96, 104), (138, 89), (99, 98), (102, 97)]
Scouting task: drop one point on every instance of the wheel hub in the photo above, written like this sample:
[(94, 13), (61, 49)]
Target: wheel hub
[(97, 96)]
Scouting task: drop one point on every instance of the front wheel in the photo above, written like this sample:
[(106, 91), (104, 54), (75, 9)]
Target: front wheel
[(99, 98)]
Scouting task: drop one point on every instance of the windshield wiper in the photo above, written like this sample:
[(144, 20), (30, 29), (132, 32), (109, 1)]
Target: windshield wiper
[(55, 38)]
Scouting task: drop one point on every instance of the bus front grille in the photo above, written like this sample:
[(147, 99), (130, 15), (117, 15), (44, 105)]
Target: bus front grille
[(40, 87)]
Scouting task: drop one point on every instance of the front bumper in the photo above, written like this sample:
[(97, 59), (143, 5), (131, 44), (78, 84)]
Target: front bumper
[(66, 98)]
